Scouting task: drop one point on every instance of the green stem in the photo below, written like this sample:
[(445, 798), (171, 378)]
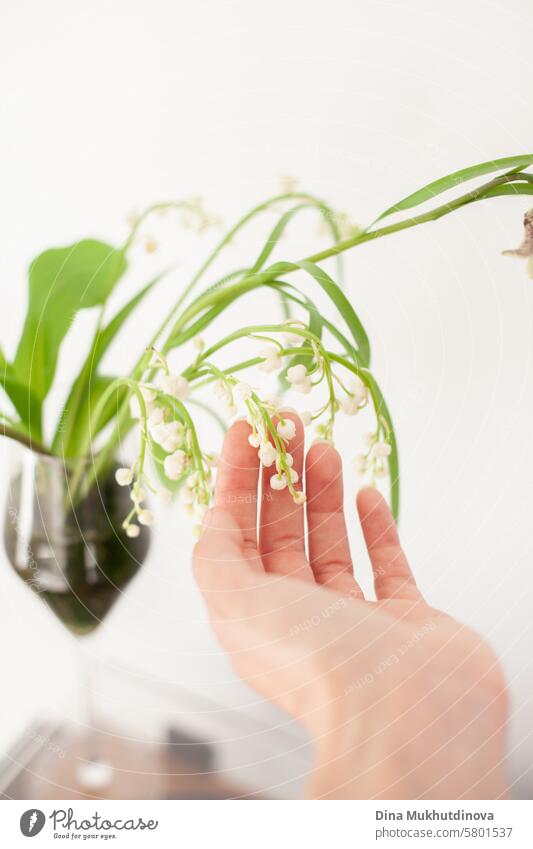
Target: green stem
[(24, 439), (253, 281), (432, 215), (238, 226)]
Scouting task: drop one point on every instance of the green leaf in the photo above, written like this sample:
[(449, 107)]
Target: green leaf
[(315, 323), (383, 413), (510, 189), (85, 418), (340, 300), (393, 459), (61, 282), (333, 329), (24, 401), (108, 333), (101, 343), (435, 188), (276, 234)]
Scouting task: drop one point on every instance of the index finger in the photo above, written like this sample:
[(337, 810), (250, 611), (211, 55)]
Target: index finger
[(238, 480)]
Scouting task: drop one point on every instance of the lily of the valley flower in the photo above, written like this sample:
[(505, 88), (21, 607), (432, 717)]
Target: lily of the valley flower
[(271, 359), (286, 429), (169, 435), (304, 386), (174, 385), (243, 391), (296, 374), (279, 481), (123, 476), (289, 459), (299, 379), (221, 390), (174, 464), (157, 416), (267, 454), (357, 399), (381, 449), (374, 461), (174, 434)]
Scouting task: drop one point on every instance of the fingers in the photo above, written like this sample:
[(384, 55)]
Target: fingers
[(219, 561), (238, 480), (329, 550), (392, 576), (281, 524)]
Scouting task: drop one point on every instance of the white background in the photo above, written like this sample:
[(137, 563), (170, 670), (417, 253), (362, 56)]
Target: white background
[(110, 106)]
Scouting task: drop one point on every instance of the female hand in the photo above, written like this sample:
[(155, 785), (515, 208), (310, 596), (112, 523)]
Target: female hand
[(402, 701)]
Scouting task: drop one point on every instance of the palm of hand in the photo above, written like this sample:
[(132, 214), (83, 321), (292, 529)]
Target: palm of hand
[(294, 619)]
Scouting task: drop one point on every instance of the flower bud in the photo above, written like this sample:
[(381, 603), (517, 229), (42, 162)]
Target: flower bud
[(286, 429), (297, 374), (278, 481), (267, 454), (124, 477)]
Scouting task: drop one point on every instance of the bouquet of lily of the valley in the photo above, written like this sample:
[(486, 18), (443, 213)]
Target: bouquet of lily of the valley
[(322, 355)]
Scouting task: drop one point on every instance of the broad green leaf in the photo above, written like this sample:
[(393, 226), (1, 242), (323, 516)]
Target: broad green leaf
[(61, 282), (24, 401), (456, 178)]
